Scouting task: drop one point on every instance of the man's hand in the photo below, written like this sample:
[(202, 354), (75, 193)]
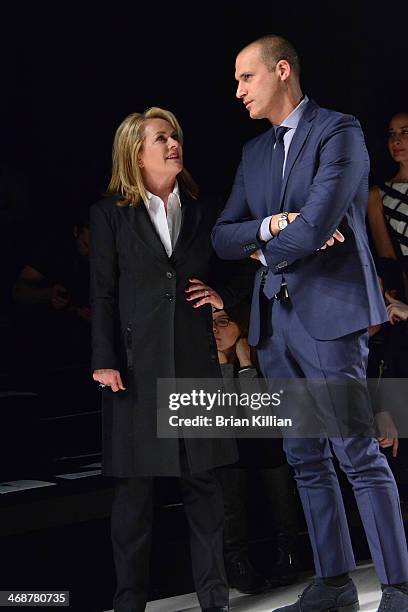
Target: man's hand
[(274, 229), (256, 255), (336, 236), (109, 378), (273, 224)]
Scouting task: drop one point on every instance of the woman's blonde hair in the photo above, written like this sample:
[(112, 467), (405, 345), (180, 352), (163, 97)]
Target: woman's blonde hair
[(127, 178)]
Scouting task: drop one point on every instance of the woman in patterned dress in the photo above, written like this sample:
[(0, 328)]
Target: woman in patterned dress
[(388, 214), (388, 221)]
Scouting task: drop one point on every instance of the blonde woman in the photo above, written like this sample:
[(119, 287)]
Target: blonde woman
[(152, 299)]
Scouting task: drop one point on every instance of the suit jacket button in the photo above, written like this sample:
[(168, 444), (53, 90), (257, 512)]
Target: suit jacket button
[(169, 296), (169, 274)]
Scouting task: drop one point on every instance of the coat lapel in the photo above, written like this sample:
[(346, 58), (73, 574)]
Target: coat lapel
[(299, 138), (267, 172), (191, 213), (139, 220)]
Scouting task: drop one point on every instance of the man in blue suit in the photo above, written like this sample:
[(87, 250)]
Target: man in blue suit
[(298, 204)]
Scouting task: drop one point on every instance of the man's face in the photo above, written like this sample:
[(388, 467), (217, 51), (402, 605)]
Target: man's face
[(259, 88)]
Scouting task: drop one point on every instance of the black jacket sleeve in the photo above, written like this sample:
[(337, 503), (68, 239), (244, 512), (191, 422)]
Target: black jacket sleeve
[(104, 287)]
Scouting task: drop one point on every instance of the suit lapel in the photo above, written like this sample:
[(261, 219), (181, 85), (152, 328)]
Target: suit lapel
[(267, 172), (299, 138)]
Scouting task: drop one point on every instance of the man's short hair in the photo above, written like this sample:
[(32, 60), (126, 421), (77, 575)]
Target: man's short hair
[(274, 48)]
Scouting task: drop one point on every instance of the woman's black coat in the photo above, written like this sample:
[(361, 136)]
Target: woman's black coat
[(143, 326)]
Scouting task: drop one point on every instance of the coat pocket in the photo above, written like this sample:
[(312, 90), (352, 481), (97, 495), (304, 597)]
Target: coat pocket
[(128, 347)]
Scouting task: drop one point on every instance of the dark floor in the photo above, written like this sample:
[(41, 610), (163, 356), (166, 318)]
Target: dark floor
[(76, 556)]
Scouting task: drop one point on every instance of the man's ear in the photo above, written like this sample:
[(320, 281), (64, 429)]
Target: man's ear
[(283, 69)]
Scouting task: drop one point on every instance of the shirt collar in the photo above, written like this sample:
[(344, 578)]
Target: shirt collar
[(175, 192), (292, 120)]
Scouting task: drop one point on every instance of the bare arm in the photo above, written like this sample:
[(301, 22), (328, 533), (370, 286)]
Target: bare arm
[(379, 231)]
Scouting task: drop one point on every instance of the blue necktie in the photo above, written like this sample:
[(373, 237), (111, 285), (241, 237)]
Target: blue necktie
[(278, 157)]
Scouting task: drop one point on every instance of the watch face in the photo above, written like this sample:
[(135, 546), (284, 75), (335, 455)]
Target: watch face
[(282, 223)]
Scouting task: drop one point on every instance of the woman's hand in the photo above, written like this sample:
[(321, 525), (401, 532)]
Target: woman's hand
[(109, 378), (198, 289), (387, 431), (222, 358), (243, 353), (396, 310)]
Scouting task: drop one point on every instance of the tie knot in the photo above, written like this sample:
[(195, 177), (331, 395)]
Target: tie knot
[(280, 133)]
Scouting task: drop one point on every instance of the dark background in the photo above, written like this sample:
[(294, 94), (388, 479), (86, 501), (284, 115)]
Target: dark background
[(72, 70)]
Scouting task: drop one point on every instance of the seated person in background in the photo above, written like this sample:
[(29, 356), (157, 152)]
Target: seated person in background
[(238, 360), (388, 219), (52, 297), (388, 214), (395, 365)]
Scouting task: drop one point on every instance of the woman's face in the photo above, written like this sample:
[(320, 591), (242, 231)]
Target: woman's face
[(161, 155), (398, 138), (226, 332)]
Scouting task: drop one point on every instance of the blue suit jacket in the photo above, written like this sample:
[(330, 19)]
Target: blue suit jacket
[(335, 291)]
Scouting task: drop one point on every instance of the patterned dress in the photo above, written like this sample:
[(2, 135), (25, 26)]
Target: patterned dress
[(394, 354), (395, 201)]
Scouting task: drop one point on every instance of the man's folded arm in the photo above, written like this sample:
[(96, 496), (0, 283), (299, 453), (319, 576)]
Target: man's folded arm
[(343, 164), (235, 234)]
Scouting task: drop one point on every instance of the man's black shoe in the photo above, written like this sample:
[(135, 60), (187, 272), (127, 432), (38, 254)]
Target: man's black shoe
[(242, 576), (319, 597), (216, 609), (393, 600)]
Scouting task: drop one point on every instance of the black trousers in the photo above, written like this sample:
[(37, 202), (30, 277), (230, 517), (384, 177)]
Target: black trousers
[(131, 529)]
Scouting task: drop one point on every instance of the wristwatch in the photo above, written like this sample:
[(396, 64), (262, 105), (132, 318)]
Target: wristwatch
[(283, 220)]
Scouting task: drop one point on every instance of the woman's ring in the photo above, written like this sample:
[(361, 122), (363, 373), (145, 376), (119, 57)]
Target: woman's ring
[(102, 386), (206, 294)]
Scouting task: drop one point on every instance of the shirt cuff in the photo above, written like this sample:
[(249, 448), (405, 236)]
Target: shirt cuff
[(262, 259), (264, 231)]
